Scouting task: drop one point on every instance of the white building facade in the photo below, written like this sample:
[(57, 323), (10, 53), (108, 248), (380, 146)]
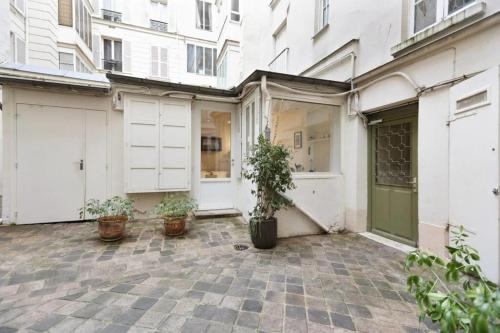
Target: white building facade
[(391, 110)]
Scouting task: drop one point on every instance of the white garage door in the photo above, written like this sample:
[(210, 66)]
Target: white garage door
[(61, 162)]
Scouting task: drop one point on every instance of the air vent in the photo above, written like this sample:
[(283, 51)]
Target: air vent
[(472, 101)]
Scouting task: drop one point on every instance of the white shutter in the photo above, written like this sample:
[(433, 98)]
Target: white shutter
[(154, 61), (141, 153), (163, 62), (96, 50), (175, 123), (21, 51), (127, 57), (157, 144)]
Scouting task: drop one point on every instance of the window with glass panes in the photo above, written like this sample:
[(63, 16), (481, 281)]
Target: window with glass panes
[(201, 60), (203, 15)]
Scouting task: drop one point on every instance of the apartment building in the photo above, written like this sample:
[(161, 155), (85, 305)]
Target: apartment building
[(391, 110), (175, 40), (419, 131)]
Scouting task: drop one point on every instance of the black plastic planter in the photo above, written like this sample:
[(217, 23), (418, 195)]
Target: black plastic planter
[(264, 234)]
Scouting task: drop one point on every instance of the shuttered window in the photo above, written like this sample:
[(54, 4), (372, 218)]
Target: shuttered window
[(65, 12), (157, 155), (159, 62)]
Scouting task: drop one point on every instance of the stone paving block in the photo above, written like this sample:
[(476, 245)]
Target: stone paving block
[(68, 324), (172, 324), (204, 311), (317, 274), (7, 329), (252, 306), (114, 328), (342, 321), (151, 319), (219, 328), (122, 288), (47, 322), (270, 323), (90, 325), (144, 303), (129, 317), (248, 319), (295, 326), (295, 312), (194, 325), (231, 302), (318, 316), (88, 311)]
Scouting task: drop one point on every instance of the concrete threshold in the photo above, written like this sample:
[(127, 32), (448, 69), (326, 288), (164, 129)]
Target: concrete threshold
[(216, 213), (388, 242)]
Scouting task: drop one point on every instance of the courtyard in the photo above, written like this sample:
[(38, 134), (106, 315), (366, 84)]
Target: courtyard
[(62, 278)]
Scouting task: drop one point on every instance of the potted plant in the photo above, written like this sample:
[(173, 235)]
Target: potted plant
[(112, 216), (269, 169), (174, 210)]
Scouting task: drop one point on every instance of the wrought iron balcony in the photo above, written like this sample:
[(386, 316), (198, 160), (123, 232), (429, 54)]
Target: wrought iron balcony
[(112, 65), (111, 15), (158, 25)]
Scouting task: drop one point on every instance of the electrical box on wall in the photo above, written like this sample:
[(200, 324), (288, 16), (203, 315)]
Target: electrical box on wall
[(118, 103)]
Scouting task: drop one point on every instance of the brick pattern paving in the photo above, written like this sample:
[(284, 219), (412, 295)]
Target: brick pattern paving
[(62, 278)]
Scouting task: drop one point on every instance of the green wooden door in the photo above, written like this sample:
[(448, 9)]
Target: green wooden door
[(393, 175)]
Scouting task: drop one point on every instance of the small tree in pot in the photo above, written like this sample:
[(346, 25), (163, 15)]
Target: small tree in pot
[(111, 214), (269, 169), (174, 210)]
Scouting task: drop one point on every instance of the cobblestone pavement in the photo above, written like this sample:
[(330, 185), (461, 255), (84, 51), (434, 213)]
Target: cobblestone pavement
[(62, 278)]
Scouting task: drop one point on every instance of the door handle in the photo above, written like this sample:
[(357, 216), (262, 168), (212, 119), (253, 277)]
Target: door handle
[(81, 164)]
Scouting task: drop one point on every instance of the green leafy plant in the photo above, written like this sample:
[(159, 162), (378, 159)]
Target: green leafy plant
[(175, 206), (268, 167), (115, 206), (462, 300)]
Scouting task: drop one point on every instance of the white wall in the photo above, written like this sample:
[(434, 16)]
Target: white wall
[(42, 24)]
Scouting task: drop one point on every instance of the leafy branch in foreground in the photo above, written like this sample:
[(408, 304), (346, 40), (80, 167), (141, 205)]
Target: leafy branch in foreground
[(462, 300)]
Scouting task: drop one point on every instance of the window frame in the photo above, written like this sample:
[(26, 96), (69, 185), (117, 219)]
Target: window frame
[(82, 22), (73, 63), (196, 48), (234, 12), (202, 25), (14, 46), (113, 41), (322, 7), (159, 62), (442, 14), (71, 9)]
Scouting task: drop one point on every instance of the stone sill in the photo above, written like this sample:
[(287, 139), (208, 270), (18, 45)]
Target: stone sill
[(436, 30)]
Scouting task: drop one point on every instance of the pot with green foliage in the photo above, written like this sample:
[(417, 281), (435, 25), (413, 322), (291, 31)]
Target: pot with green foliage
[(268, 168), (174, 210), (112, 216)]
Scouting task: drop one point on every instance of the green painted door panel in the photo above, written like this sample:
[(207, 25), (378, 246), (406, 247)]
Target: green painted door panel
[(393, 170)]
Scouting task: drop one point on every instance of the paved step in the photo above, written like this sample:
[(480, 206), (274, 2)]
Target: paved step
[(217, 213)]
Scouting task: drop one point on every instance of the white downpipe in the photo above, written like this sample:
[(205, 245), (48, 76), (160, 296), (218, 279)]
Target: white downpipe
[(267, 104)]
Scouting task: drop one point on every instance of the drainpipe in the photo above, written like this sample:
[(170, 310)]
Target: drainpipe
[(267, 104)]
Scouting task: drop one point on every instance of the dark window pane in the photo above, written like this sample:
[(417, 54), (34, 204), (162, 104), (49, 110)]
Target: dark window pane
[(199, 60), (208, 61), (425, 14), (455, 5), (190, 59)]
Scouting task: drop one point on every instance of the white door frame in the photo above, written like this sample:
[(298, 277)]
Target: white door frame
[(225, 186)]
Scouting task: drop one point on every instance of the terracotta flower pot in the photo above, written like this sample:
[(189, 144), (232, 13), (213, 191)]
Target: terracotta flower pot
[(174, 226), (112, 228)]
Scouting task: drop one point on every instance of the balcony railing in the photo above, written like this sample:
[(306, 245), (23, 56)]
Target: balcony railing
[(112, 65), (111, 15), (158, 25), (280, 62)]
